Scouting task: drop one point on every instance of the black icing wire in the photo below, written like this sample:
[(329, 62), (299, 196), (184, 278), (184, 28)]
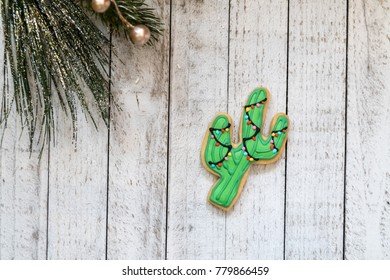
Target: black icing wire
[(229, 147)]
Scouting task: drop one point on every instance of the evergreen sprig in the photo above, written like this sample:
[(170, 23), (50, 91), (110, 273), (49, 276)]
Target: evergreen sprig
[(55, 53), (53, 50), (134, 11)]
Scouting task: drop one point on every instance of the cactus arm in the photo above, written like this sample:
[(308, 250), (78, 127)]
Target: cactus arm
[(270, 148), (253, 113), (217, 144)]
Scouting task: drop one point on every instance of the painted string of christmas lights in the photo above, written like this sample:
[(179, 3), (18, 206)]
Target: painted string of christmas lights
[(274, 133), (214, 132), (217, 131)]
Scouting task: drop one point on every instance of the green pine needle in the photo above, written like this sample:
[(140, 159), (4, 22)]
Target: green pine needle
[(56, 54), (53, 50)]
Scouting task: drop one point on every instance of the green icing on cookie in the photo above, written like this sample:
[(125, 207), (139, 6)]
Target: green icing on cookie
[(232, 163)]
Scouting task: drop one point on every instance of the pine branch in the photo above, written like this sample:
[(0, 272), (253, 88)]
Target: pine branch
[(53, 51), (134, 11)]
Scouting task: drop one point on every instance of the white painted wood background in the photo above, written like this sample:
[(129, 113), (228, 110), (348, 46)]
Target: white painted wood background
[(139, 190)]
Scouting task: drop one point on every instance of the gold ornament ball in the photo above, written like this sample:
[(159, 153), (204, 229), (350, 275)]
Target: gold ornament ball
[(140, 35), (100, 6)]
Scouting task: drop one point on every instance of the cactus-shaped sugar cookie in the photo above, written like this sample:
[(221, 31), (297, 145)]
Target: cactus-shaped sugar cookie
[(231, 162)]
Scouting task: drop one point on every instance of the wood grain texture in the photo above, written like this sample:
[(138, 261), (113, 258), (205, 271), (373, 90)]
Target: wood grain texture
[(255, 226), (316, 106), (23, 190), (78, 185), (196, 229), (138, 148), (77, 191), (23, 193), (168, 94), (368, 150)]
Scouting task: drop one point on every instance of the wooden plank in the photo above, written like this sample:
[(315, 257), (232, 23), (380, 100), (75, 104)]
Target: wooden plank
[(78, 185), (196, 229), (23, 196), (258, 56), (368, 153), (77, 192), (23, 190), (316, 105), (138, 148)]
